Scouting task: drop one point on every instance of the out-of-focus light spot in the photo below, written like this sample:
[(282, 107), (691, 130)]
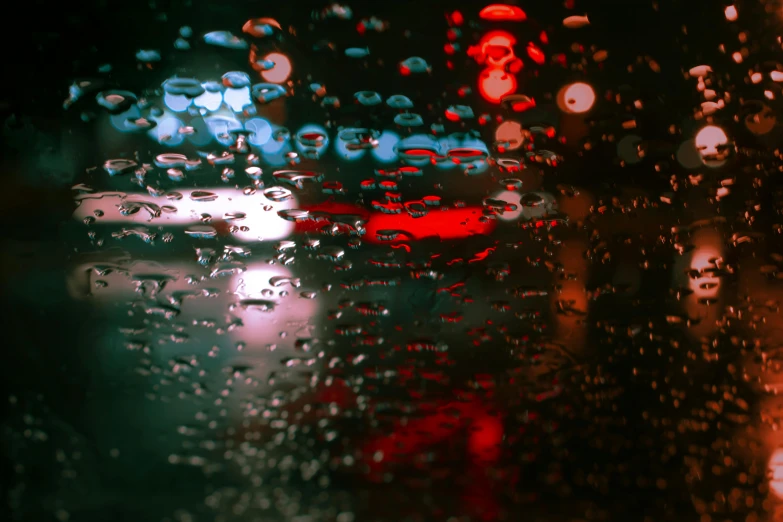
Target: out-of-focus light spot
[(275, 151), (498, 39), (776, 473), (708, 108), (237, 99), (121, 288), (575, 22), (494, 84), (254, 284), (699, 271), (503, 12), (512, 197), (260, 131), (274, 145), (529, 206), (486, 437), (536, 54), (279, 157), (688, 156), (737, 57), (200, 135), (706, 285), (628, 149), (166, 131), (220, 128), (280, 72), (576, 98), (699, 71), (451, 224), (712, 143), (177, 102), (495, 49), (210, 100), (120, 121), (731, 13), (510, 135), (385, 152), (262, 224), (759, 117)]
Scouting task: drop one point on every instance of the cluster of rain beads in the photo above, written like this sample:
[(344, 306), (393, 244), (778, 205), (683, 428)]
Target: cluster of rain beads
[(415, 292)]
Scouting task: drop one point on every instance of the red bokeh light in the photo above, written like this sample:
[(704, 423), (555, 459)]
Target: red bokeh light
[(494, 84), (503, 12)]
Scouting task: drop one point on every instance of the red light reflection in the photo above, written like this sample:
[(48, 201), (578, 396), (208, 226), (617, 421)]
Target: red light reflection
[(536, 54), (503, 12), (494, 84), (448, 224), (495, 50), (454, 223), (438, 426)]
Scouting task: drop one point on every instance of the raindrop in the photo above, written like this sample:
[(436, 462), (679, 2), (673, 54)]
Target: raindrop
[(119, 166), (203, 195), (201, 231), (225, 39)]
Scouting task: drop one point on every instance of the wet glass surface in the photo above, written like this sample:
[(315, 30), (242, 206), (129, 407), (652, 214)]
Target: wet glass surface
[(394, 262)]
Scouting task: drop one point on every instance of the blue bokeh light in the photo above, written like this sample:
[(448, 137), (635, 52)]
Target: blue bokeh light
[(260, 129), (120, 121), (200, 135), (386, 151), (210, 100), (177, 102), (221, 126), (166, 132), (237, 99), (274, 151)]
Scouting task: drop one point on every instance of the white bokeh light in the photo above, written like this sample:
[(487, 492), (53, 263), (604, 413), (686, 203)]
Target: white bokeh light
[(263, 225)]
